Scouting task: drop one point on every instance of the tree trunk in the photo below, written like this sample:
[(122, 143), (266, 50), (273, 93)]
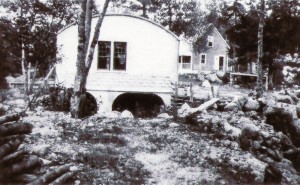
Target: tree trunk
[(25, 165), (9, 147), (30, 91), (24, 70), (83, 64), (46, 178), (9, 118), (15, 128), (79, 86), (260, 75)]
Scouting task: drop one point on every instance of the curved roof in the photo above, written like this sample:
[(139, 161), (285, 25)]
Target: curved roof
[(126, 15)]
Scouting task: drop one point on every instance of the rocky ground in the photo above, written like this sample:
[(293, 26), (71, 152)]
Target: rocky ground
[(213, 147)]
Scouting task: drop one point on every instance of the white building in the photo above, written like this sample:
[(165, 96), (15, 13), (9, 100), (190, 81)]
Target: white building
[(134, 55)]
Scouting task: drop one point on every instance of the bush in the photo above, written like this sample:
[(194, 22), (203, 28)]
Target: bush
[(59, 99)]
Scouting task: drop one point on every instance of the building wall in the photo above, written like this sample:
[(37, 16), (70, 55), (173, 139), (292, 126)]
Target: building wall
[(151, 50), (151, 58), (219, 48)]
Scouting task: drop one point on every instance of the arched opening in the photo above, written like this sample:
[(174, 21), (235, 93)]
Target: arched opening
[(87, 105), (140, 105)]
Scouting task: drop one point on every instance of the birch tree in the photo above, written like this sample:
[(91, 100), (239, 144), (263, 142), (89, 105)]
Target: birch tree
[(85, 52), (260, 75)]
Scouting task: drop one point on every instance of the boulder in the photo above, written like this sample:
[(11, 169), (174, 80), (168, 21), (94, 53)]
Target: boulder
[(232, 107), (251, 105), (173, 125), (240, 100), (164, 116), (184, 110), (284, 99), (221, 75), (249, 133), (126, 114), (113, 114), (206, 83), (272, 174), (213, 78)]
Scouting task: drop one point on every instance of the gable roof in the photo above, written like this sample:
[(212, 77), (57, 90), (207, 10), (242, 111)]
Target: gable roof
[(126, 15), (213, 28)]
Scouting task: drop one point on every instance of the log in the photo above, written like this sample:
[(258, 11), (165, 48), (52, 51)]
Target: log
[(25, 178), (46, 178), (203, 106), (62, 179), (9, 118), (9, 147), (15, 128), (14, 156), (6, 139), (23, 166)]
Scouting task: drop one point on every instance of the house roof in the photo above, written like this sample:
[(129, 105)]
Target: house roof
[(212, 27), (126, 15)]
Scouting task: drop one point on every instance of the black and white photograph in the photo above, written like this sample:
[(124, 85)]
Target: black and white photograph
[(134, 92)]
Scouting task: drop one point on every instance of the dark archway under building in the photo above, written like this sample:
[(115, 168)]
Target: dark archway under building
[(139, 104)]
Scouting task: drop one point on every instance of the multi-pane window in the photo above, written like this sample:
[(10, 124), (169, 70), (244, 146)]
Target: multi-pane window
[(210, 41), (203, 58), (117, 61), (104, 55), (184, 62), (119, 56)]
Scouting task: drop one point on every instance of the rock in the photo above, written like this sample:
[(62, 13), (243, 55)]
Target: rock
[(262, 101), (74, 168), (251, 105), (184, 110), (213, 78), (113, 114), (294, 156), (173, 125), (41, 149), (126, 114), (284, 99), (221, 75), (249, 133), (240, 100), (164, 116), (206, 84), (232, 107), (90, 124), (272, 174)]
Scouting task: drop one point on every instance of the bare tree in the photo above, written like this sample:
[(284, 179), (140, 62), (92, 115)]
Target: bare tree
[(260, 75), (85, 52)]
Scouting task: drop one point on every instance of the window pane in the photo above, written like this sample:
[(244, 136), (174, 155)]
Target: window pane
[(120, 56), (221, 63), (202, 59), (186, 59), (103, 55)]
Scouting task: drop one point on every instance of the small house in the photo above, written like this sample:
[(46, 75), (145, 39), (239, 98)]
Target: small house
[(135, 61), (212, 52)]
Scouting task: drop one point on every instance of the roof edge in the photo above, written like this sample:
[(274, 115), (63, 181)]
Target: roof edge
[(125, 15)]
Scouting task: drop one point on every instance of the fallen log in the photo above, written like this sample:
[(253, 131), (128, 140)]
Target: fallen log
[(14, 156), (46, 178), (62, 179), (187, 112), (9, 118), (23, 166), (9, 147), (6, 139), (25, 178), (15, 128)]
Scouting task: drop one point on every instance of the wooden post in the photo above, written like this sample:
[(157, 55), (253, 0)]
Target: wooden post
[(191, 91)]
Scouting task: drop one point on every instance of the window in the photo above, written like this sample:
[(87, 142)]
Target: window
[(106, 60), (120, 56), (184, 62), (104, 55), (210, 41), (203, 58), (221, 63)]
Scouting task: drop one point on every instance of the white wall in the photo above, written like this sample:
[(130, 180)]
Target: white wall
[(151, 50)]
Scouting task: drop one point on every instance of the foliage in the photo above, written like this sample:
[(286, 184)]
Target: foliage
[(58, 100)]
